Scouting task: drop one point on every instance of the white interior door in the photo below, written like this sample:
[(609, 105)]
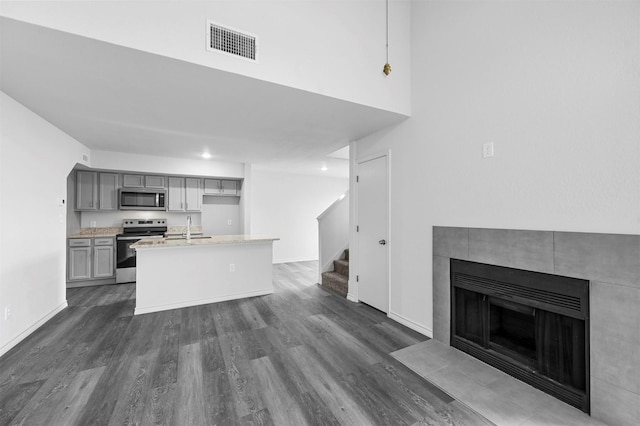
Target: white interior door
[(373, 223)]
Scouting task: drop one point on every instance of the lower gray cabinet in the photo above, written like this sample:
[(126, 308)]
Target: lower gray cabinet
[(91, 259), (103, 261), (79, 263)]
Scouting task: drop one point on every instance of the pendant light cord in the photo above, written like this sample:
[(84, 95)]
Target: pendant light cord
[(387, 31), (387, 68)]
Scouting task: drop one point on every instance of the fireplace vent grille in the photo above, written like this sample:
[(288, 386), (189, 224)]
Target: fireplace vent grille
[(545, 298)]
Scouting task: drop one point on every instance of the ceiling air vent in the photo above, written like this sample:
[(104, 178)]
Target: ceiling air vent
[(231, 42)]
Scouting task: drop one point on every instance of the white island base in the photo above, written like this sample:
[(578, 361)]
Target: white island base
[(176, 274)]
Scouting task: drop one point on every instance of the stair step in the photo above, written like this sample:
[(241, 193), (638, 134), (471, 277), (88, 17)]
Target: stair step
[(341, 266), (336, 282)]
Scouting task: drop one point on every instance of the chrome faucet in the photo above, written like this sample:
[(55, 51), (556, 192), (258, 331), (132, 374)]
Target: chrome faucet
[(189, 228)]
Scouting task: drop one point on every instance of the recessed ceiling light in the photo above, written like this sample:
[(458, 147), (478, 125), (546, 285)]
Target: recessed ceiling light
[(324, 168), (206, 155)]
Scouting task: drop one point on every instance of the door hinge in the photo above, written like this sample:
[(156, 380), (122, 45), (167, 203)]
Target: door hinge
[(357, 278), (357, 179), (357, 228)]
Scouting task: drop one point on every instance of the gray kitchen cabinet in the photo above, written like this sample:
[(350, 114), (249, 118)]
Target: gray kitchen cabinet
[(103, 262), (220, 187), (184, 195), (154, 182), (176, 194), (79, 263), (142, 181), (229, 187), (133, 181), (86, 190), (193, 197), (212, 186), (91, 258), (108, 191), (79, 259)]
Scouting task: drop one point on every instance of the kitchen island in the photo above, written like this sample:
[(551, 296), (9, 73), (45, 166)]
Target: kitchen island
[(176, 273)]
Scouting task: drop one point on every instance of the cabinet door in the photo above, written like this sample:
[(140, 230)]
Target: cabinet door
[(154, 181), (86, 190), (176, 194), (103, 262), (212, 186), (193, 198), (229, 187), (133, 181), (79, 263), (108, 191)]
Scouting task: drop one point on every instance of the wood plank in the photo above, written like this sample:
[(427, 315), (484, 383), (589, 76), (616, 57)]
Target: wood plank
[(158, 405), (129, 406), (336, 398), (12, 400), (281, 405), (189, 408), (69, 407)]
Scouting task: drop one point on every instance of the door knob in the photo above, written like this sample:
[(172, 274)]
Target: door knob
[(382, 242)]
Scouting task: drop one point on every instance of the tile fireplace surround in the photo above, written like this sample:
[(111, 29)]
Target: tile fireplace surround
[(611, 262)]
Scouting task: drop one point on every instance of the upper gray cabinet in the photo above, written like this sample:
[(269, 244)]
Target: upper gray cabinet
[(133, 181), (184, 194), (176, 194), (96, 191), (142, 181), (86, 190), (154, 181), (108, 191), (220, 187), (193, 195)]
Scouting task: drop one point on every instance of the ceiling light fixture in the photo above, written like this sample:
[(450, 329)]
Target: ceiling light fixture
[(324, 168), (206, 155), (387, 67)]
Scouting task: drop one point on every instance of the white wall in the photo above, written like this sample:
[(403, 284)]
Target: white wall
[(286, 205), (334, 48), (36, 159), (555, 86)]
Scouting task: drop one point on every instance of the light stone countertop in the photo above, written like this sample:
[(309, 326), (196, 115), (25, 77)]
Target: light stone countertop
[(96, 233), (201, 241)]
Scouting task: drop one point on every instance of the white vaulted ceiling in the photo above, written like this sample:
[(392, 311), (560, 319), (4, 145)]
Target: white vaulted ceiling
[(114, 98)]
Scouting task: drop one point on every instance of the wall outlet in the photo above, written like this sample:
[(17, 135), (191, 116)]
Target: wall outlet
[(487, 150), (7, 312), (228, 221), (232, 267)]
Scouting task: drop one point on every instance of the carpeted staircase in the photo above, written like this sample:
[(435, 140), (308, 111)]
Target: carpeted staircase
[(337, 280)]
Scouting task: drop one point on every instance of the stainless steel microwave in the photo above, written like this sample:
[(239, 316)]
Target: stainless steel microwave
[(142, 199)]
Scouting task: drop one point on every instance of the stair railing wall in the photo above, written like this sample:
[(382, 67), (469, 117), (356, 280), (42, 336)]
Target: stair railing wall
[(333, 233)]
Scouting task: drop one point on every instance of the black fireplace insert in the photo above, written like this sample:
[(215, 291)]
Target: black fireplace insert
[(530, 325)]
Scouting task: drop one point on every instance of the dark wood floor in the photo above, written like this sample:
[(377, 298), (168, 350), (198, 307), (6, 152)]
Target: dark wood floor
[(300, 356)]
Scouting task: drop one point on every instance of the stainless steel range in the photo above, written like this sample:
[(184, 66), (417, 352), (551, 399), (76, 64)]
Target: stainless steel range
[(133, 230)]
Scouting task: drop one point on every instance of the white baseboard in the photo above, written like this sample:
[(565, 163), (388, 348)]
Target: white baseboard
[(19, 338), (411, 324), (298, 259), (148, 310), (352, 298)]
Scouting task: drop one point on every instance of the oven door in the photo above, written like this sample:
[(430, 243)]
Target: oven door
[(125, 254)]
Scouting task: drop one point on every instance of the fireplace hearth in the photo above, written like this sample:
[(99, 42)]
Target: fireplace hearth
[(531, 325)]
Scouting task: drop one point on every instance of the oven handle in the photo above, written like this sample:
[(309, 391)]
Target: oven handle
[(128, 238)]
